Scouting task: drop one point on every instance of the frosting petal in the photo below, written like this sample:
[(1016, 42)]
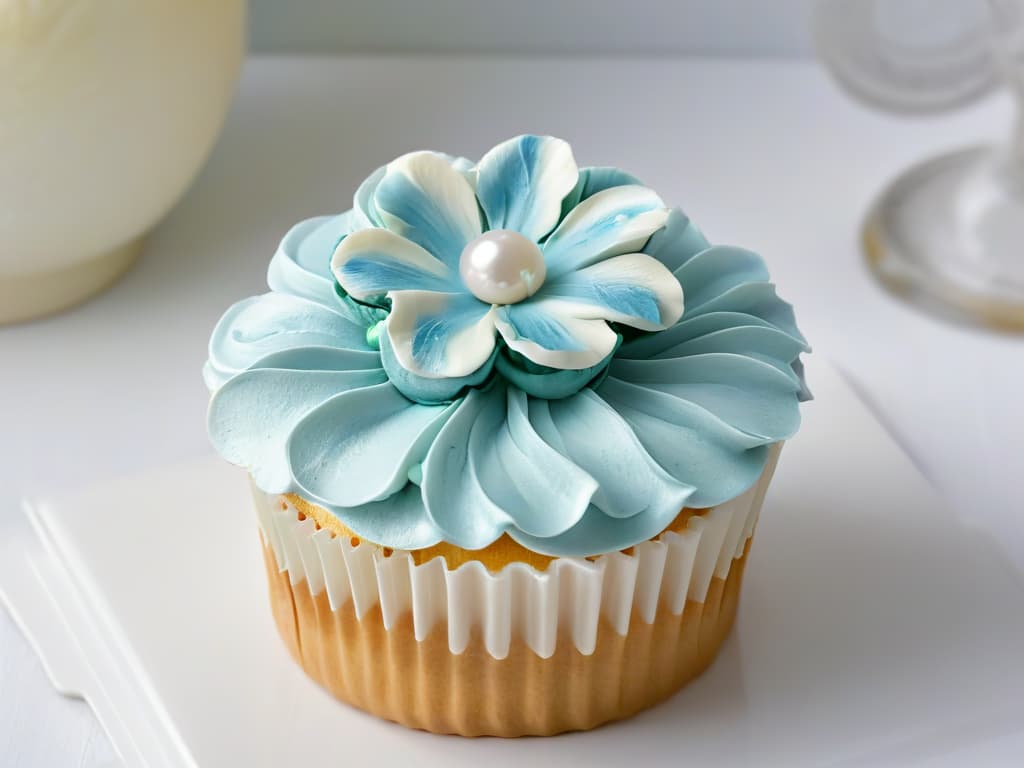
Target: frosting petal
[(556, 492), (634, 289), (757, 299), (440, 335), (614, 221), (689, 328), (424, 199), (629, 480), (371, 262), (452, 488), (594, 179), (522, 182), (401, 520), (597, 533), (599, 178), (765, 343), (717, 269), (749, 394), (252, 415), (302, 263), (545, 333), (262, 325), (359, 446), (489, 461), (313, 358), (689, 442), (638, 498), (678, 242), (364, 207)]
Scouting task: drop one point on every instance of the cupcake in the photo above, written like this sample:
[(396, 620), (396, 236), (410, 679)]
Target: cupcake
[(509, 426)]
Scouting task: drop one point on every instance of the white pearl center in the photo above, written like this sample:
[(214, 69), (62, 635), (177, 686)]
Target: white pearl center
[(502, 267)]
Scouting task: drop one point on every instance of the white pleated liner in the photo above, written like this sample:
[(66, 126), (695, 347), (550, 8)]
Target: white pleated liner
[(518, 601)]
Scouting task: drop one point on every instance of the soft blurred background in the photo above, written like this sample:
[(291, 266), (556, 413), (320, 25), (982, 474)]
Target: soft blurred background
[(723, 106), (641, 27)]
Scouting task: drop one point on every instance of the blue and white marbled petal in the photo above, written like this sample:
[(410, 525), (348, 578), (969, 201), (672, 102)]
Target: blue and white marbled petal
[(613, 222), (372, 262), (424, 199), (440, 335), (364, 208), (546, 333), (522, 182), (427, 390), (634, 289)]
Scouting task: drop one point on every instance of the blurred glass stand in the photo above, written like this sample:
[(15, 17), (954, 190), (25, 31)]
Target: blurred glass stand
[(948, 233)]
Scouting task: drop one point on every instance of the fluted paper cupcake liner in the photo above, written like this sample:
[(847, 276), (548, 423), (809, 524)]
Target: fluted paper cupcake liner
[(513, 652), (570, 598), (421, 684)]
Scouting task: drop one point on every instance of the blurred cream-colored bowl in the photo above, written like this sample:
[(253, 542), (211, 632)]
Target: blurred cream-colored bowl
[(107, 110)]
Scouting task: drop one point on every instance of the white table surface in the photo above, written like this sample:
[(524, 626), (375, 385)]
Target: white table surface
[(767, 154)]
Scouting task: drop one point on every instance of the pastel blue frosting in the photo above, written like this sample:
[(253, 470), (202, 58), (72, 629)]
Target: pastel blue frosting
[(310, 398)]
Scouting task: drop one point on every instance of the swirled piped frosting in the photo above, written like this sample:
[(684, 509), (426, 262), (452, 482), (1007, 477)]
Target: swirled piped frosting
[(519, 346)]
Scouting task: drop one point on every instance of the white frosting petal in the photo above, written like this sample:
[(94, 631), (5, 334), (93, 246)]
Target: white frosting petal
[(544, 332), (440, 335), (371, 262), (423, 198), (634, 289), (522, 182), (615, 221)]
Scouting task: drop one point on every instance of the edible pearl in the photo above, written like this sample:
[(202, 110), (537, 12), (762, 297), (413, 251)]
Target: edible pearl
[(502, 267)]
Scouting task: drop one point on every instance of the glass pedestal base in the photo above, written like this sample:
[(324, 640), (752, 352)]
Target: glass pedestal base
[(948, 236)]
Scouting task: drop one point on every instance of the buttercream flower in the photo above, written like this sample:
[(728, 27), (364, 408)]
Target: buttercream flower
[(685, 408), (523, 245)]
